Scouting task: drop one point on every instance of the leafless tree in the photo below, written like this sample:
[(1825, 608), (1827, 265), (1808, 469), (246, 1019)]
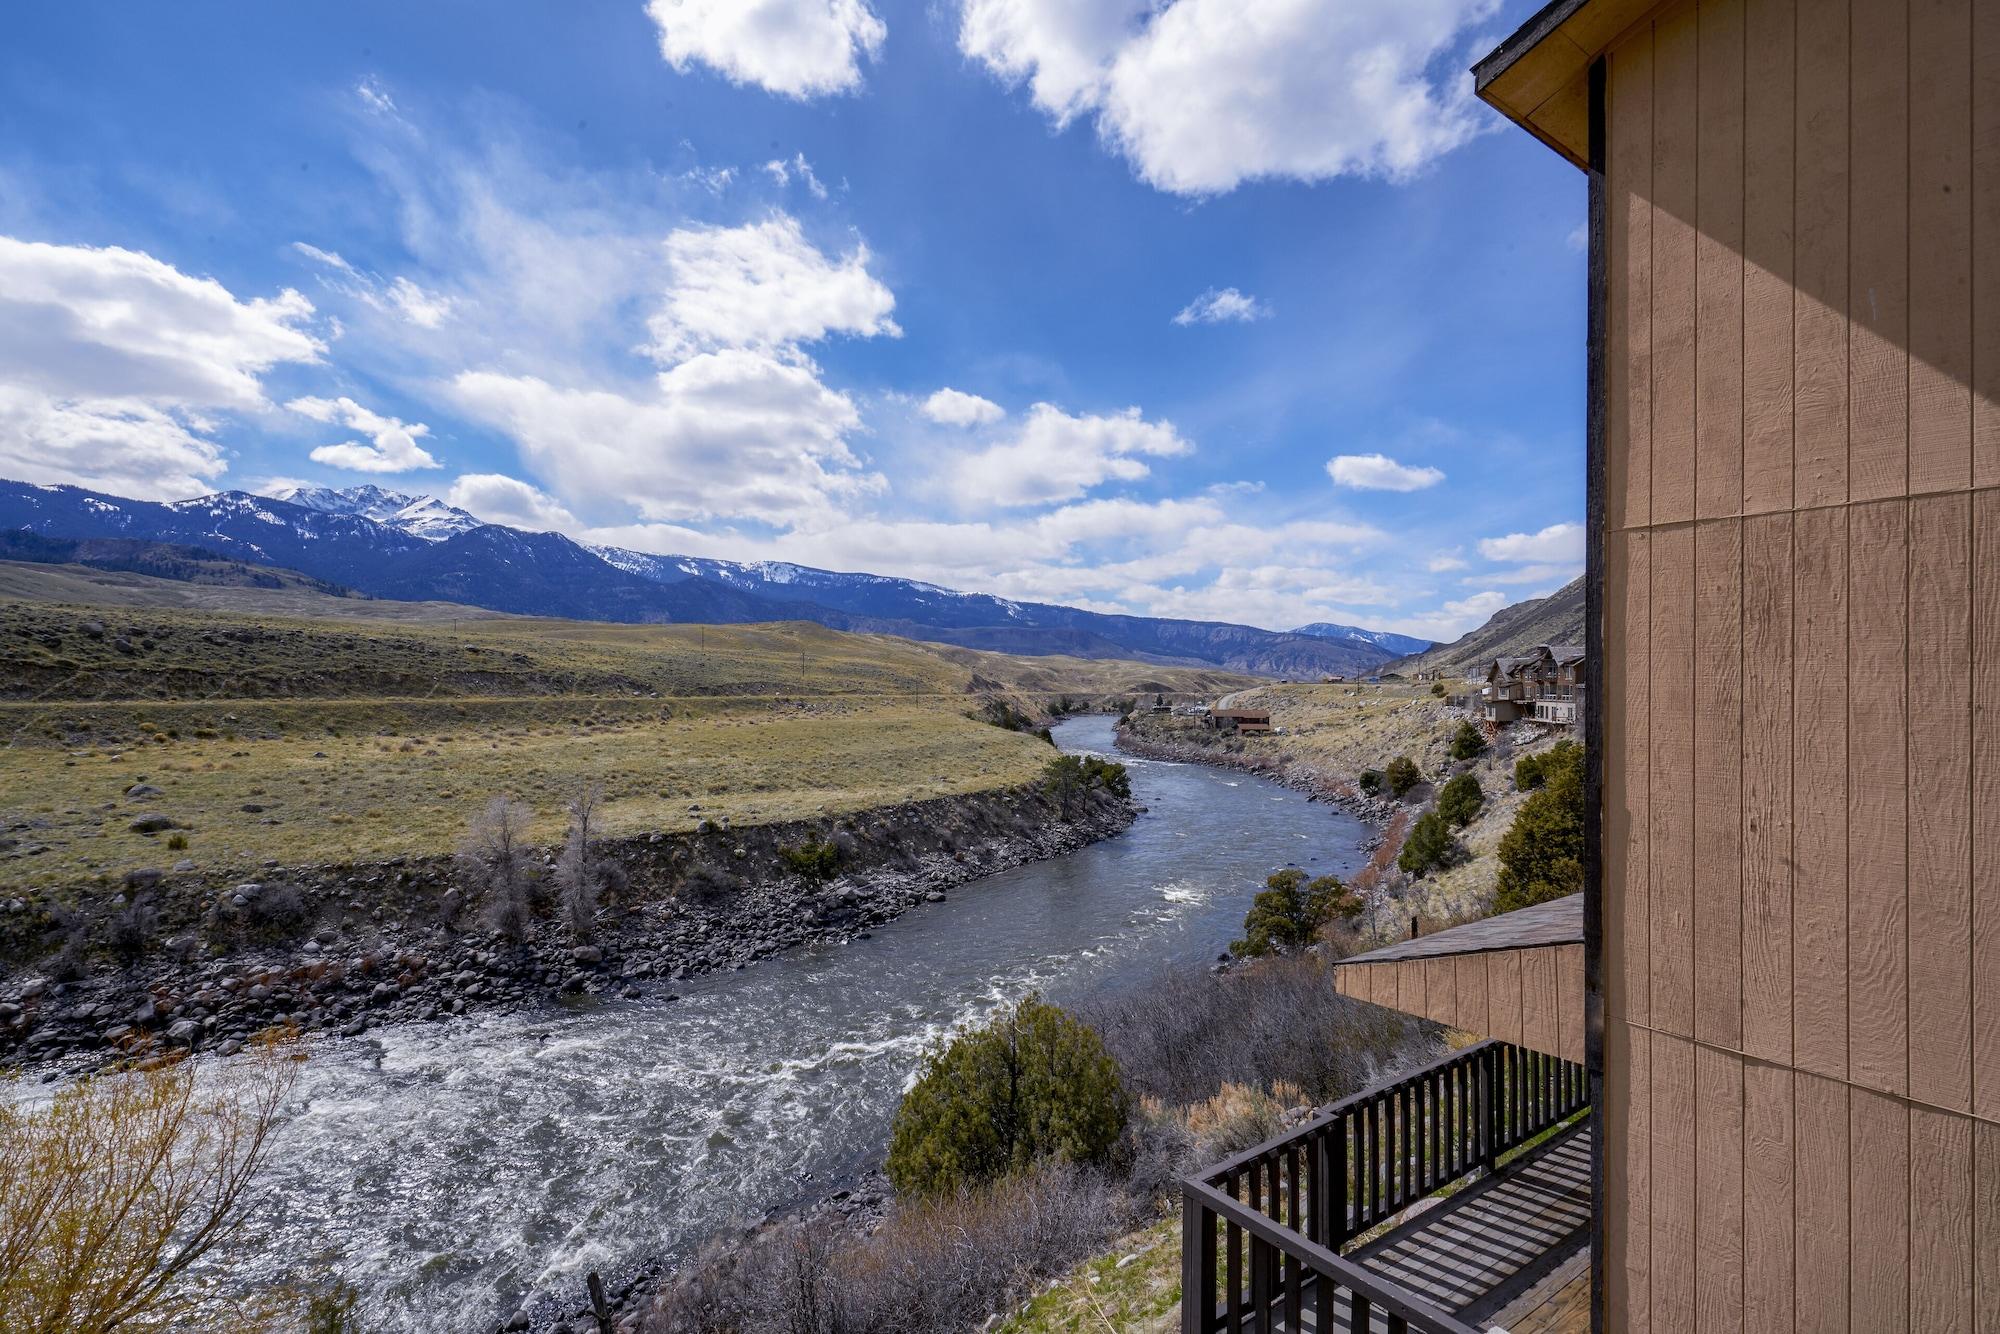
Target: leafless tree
[(493, 860), (579, 873)]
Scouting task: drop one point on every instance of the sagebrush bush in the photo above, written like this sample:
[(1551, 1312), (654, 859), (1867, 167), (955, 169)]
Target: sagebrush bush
[(812, 860), (1035, 1083)]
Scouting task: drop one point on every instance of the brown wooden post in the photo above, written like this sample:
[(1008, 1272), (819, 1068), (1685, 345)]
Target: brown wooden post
[(1197, 1267)]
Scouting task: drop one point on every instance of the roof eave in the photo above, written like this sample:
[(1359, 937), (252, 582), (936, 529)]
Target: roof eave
[(1538, 77)]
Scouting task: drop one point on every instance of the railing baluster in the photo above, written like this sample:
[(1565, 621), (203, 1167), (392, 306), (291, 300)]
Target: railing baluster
[(1234, 1264), (1198, 1314)]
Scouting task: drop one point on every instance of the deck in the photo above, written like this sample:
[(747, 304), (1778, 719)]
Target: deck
[(1455, 1200), (1476, 1253)]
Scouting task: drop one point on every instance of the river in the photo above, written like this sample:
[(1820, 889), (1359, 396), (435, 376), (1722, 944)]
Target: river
[(448, 1170)]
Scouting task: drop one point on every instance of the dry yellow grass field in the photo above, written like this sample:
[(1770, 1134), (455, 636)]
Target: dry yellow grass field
[(273, 734)]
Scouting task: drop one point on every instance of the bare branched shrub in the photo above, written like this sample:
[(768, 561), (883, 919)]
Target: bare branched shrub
[(493, 860), (279, 909), (578, 873), (707, 886), (71, 942), (1183, 1035), (131, 931), (932, 1267), (114, 1189)]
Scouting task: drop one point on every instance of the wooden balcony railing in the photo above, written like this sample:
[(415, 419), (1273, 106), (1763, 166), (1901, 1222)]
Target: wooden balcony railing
[(1262, 1232)]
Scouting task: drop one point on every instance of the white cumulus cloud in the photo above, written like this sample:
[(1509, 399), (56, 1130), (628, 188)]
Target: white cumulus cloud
[(497, 498), (737, 433), (952, 407), (1558, 543), (111, 361), (1202, 95), (1379, 472), (1055, 456), (1224, 306), (392, 445), (763, 285), (796, 48)]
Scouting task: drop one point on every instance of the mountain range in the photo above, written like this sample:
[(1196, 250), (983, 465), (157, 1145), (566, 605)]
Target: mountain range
[(418, 548)]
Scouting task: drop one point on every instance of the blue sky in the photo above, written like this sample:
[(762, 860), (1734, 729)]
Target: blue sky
[(1234, 309)]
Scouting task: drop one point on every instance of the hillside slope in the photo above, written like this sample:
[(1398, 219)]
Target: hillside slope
[(1555, 619)]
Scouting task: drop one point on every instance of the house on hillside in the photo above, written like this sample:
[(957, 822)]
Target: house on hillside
[(1240, 720), (1750, 1078), (1544, 686)]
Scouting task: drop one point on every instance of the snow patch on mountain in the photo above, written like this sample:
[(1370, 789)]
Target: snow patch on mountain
[(420, 516)]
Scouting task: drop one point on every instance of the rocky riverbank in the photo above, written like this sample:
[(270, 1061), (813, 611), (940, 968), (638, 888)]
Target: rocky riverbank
[(205, 964), (1139, 739)]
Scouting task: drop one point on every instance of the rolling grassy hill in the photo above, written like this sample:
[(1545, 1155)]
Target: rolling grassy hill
[(291, 725)]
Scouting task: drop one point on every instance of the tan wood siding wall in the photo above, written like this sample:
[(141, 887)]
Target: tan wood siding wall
[(1802, 714), (1532, 996)]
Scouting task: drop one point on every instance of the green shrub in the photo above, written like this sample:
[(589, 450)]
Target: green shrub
[(1541, 856), (1371, 782), (1430, 846), (1289, 912), (1467, 743), (1402, 774), (812, 860), (1460, 801), (1437, 690), (1067, 777), (1527, 773), (1531, 771), (1036, 1083)]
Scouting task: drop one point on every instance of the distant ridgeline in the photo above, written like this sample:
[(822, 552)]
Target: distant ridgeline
[(417, 548)]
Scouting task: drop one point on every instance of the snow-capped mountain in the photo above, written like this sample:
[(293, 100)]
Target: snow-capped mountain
[(1394, 644), (420, 516), (416, 548)]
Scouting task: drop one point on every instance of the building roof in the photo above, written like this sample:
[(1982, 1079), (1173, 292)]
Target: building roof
[(1565, 654), (1538, 78), (1558, 922)]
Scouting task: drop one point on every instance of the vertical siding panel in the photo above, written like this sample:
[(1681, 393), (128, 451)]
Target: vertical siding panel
[(1941, 244), (1986, 1225), (1819, 332), (1767, 787), (1880, 1213), (1718, 469), (1673, 1185), (1940, 674), (1672, 758), (1629, 264), (1985, 692), (1569, 1002), (1767, 1197), (1718, 1232), (1440, 990), (1820, 1206), (1627, 872), (1504, 979), (1878, 456), (1878, 954), (1985, 249), (1717, 707), (1472, 1012), (1767, 252), (1628, 1196), (1940, 1204), (1538, 999), (1819, 778), (1674, 160)]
